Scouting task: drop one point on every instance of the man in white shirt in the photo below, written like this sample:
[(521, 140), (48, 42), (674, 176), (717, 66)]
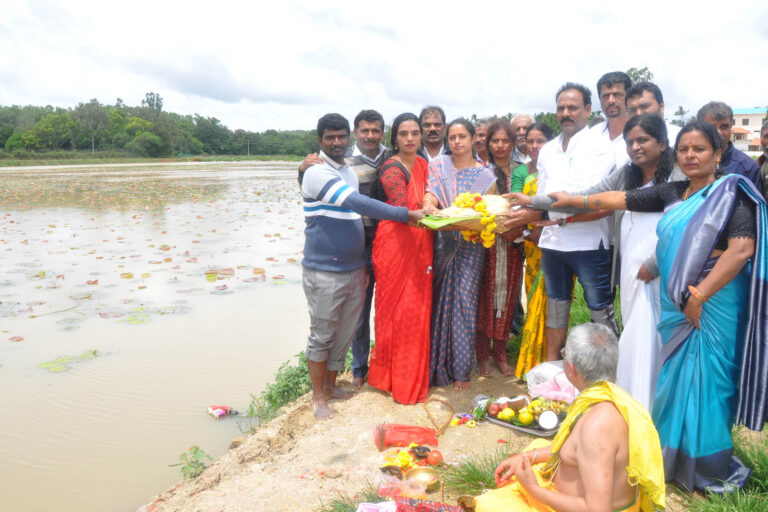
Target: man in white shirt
[(646, 98), (576, 159), (612, 89)]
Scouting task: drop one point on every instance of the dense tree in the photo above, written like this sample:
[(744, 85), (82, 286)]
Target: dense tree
[(152, 101), (550, 119), (92, 117), (144, 130), (54, 131), (640, 75)]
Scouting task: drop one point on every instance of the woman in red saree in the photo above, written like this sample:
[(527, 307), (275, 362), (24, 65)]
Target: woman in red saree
[(402, 263)]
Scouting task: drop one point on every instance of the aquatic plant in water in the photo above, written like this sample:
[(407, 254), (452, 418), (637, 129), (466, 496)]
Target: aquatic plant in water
[(62, 364)]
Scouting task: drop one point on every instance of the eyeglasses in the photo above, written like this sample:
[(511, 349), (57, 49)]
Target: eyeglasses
[(562, 353)]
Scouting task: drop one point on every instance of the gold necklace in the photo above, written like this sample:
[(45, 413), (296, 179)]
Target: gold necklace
[(687, 191)]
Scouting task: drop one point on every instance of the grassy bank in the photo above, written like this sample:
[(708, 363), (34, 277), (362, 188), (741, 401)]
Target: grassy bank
[(87, 158)]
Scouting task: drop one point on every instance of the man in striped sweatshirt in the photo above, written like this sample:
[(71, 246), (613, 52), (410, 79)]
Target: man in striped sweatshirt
[(334, 275)]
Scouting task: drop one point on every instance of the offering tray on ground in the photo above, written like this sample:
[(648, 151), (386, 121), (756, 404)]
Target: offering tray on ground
[(532, 430)]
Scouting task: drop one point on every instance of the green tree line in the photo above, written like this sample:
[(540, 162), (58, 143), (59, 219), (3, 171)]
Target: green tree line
[(145, 130)]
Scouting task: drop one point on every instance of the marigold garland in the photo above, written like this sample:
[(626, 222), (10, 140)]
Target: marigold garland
[(475, 201)]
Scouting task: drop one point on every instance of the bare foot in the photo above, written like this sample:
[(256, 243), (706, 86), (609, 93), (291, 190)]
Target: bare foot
[(484, 369), (335, 393), (357, 382), (504, 368), (322, 411), (461, 385)]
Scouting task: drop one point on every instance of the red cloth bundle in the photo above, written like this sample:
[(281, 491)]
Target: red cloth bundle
[(390, 434)]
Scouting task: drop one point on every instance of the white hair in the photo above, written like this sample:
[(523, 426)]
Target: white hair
[(593, 349)]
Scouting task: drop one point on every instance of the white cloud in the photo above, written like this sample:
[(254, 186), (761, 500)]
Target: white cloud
[(283, 64)]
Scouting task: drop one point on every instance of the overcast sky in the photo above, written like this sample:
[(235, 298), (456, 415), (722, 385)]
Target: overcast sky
[(282, 64)]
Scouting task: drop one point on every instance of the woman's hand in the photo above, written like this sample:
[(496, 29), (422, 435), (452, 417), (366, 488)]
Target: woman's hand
[(692, 311), (561, 198)]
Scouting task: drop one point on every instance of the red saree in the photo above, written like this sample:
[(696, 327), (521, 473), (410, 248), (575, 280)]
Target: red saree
[(402, 264)]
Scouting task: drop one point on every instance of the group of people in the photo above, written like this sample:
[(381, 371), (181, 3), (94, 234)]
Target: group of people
[(674, 217)]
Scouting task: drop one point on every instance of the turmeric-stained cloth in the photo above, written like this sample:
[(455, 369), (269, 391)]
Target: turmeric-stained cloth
[(402, 263), (646, 466), (532, 342)]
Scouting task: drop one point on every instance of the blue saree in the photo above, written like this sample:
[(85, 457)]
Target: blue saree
[(717, 375)]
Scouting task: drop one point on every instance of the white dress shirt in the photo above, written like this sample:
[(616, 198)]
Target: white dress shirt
[(585, 162), (619, 145), (672, 131)]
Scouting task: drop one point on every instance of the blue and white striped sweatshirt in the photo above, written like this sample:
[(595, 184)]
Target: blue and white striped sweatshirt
[(332, 211)]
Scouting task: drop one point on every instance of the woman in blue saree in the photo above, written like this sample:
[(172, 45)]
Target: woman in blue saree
[(713, 265), (458, 264)]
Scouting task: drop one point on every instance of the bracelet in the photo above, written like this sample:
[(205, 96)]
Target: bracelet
[(586, 202), (696, 294), (535, 454)]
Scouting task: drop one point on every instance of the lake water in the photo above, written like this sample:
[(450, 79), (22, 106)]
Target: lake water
[(114, 340)]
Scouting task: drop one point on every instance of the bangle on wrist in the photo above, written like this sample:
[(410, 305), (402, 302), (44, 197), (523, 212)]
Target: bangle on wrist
[(566, 220), (696, 294), (586, 202), (535, 454)]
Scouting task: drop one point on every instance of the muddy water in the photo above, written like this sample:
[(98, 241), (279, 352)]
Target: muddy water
[(114, 340)]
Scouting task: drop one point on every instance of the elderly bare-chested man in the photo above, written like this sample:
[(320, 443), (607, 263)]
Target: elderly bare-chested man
[(606, 456)]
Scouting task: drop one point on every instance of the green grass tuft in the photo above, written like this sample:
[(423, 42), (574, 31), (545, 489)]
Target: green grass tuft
[(346, 503), (738, 501), (475, 474), (754, 454), (291, 382)]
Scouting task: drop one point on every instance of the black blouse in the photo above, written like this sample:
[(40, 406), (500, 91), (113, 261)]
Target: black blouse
[(741, 223)]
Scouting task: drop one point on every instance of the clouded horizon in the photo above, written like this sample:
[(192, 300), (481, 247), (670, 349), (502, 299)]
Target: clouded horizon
[(281, 65)]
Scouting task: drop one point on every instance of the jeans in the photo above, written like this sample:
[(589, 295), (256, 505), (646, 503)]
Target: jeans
[(593, 269)]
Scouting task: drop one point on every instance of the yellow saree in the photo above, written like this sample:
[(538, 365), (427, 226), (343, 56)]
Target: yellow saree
[(532, 346)]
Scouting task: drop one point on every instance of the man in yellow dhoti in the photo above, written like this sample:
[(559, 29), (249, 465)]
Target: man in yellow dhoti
[(605, 457)]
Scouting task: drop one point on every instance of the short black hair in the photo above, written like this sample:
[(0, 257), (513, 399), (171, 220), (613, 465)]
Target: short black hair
[(718, 109), (585, 93), (332, 122), (405, 116), (369, 116), (613, 78), (431, 108), (640, 87)]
